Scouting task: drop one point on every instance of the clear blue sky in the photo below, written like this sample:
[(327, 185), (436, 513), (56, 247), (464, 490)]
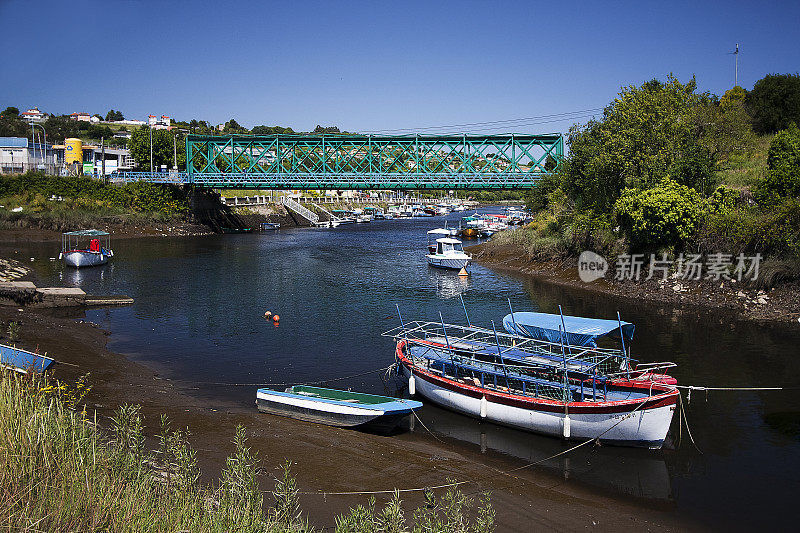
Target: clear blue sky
[(367, 66)]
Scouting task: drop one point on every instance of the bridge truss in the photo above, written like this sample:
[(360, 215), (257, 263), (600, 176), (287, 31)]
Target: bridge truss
[(329, 162)]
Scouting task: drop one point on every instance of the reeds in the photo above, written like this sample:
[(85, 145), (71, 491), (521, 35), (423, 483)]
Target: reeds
[(62, 472)]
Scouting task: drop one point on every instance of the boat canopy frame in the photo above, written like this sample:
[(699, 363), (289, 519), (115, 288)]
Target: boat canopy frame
[(70, 240)]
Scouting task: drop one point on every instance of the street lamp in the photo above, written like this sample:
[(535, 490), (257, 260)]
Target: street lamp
[(43, 149)]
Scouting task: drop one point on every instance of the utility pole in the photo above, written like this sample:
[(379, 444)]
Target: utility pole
[(736, 68), (175, 147), (103, 155)]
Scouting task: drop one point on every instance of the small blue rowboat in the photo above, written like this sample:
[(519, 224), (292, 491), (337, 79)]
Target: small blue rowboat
[(22, 360), (336, 407)]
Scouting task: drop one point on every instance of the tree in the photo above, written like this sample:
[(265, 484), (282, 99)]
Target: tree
[(164, 145), (328, 129), (723, 129), (646, 134), (113, 116), (62, 127), (271, 130), (734, 96), (783, 162), (774, 102), (233, 127), (13, 126)]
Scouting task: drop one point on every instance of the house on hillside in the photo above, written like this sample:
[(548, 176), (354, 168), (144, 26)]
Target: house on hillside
[(81, 117), (33, 115)]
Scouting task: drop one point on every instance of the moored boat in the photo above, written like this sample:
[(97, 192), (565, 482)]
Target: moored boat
[(547, 388), (585, 332), (22, 360), (438, 233), (450, 254), (95, 254), (336, 407)]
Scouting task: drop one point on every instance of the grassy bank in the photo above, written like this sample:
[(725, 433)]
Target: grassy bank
[(62, 203), (62, 472)]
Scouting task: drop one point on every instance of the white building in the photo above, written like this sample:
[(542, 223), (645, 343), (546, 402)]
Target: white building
[(81, 117), (18, 155), (33, 115), (163, 123)]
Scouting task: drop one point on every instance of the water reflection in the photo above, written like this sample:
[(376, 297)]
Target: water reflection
[(448, 284), (623, 471)]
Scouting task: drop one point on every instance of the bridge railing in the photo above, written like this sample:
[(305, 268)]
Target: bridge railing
[(176, 178), (349, 181), (337, 181)]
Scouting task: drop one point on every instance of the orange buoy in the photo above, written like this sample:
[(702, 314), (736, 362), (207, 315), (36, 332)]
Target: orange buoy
[(463, 272), (276, 318), (268, 314)]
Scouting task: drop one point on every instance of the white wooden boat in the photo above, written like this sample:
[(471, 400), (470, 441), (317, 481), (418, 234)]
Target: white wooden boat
[(98, 251), (336, 407), (449, 254), (527, 384)]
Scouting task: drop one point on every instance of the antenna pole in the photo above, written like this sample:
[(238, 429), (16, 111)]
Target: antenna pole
[(736, 71)]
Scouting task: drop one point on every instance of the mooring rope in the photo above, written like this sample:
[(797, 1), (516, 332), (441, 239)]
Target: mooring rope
[(698, 387), (228, 384), (457, 483)]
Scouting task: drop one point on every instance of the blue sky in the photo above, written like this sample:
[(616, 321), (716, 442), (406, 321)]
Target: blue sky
[(370, 66)]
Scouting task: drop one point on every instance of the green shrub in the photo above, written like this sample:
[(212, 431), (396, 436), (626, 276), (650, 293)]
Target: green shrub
[(665, 215), (752, 229), (783, 162)]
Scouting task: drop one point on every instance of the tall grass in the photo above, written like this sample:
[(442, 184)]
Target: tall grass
[(62, 472)]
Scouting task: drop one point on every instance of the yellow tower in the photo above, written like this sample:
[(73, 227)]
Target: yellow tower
[(73, 151)]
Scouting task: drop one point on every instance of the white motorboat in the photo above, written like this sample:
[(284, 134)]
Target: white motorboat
[(97, 253), (449, 253)]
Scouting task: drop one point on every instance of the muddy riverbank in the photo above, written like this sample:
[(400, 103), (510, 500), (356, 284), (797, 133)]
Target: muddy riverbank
[(781, 303)]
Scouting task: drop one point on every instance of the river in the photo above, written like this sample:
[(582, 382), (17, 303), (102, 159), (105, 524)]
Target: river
[(198, 315)]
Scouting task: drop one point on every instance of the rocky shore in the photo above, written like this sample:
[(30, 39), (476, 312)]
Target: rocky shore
[(781, 303)]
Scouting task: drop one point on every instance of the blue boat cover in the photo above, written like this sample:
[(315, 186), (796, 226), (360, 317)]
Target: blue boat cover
[(580, 331)]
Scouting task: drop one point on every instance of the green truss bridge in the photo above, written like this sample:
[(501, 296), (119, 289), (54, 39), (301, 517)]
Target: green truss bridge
[(329, 162)]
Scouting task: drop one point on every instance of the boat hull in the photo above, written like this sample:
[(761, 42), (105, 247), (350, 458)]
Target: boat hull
[(332, 413), (640, 423), (84, 258), (22, 360), (448, 263)]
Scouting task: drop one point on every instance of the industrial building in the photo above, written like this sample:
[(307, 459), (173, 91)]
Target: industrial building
[(18, 155)]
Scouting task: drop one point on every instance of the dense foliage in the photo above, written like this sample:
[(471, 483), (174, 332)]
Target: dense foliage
[(783, 162), (774, 102), (112, 116), (134, 196), (668, 169), (167, 146), (646, 134), (664, 215)]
